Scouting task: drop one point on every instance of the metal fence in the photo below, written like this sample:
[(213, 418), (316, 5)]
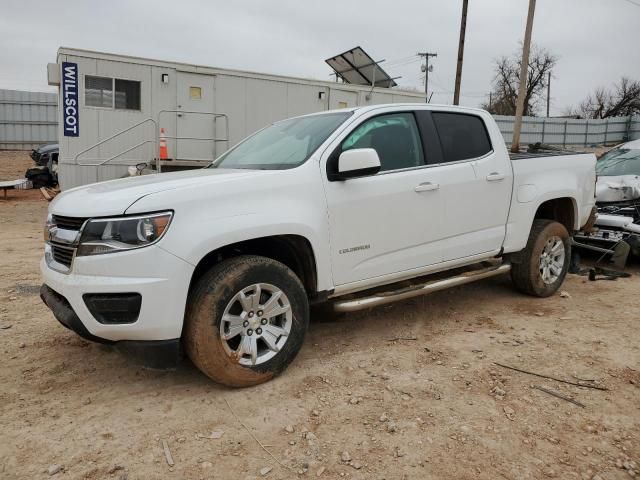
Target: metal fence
[(27, 119), (569, 132), (634, 128)]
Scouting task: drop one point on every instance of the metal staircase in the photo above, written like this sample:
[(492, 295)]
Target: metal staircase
[(156, 161)]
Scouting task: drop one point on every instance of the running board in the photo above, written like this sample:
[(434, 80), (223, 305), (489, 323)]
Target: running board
[(383, 298)]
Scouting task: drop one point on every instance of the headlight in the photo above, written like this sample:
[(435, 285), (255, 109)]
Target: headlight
[(107, 235)]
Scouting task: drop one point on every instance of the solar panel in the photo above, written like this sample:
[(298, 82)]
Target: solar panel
[(357, 67)]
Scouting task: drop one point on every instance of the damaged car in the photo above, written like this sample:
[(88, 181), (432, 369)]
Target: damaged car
[(617, 200), (45, 153)]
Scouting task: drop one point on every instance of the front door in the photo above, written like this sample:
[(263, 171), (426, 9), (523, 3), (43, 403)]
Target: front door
[(195, 124), (389, 222)]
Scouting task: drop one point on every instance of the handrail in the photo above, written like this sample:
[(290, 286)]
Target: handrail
[(215, 116), (75, 160), (156, 140), (115, 156)]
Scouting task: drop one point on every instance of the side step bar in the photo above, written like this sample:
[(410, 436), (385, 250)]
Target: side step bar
[(383, 298)]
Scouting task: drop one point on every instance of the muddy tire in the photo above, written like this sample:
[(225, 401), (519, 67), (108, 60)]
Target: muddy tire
[(245, 321), (541, 267)]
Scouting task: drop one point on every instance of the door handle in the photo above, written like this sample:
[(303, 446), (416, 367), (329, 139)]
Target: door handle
[(426, 187), (495, 177)]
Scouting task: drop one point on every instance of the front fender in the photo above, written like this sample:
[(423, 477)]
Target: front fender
[(194, 238)]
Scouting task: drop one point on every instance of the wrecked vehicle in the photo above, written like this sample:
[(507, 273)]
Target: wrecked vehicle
[(617, 199), (45, 153), (352, 208), (45, 173)]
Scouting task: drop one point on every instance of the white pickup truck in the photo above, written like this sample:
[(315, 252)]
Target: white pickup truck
[(354, 208)]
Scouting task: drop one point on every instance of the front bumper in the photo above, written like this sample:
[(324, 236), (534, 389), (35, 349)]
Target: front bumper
[(65, 315), (161, 279), (152, 354)]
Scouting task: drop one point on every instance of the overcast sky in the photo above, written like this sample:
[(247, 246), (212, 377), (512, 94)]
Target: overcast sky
[(596, 40)]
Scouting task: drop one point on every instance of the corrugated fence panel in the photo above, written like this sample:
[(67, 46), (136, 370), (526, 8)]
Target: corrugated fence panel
[(634, 128), (571, 132), (27, 119)]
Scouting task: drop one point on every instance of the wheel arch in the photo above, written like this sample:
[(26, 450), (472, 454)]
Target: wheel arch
[(563, 210), (294, 251)]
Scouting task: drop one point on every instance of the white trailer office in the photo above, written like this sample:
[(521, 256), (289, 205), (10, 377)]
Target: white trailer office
[(112, 107)]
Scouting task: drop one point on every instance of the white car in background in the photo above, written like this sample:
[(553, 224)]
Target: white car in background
[(618, 199), (618, 173)]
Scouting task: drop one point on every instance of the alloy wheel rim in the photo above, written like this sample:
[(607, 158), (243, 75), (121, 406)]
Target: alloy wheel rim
[(552, 260), (256, 324)]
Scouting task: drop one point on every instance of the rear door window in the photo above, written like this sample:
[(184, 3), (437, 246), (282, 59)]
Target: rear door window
[(462, 136)]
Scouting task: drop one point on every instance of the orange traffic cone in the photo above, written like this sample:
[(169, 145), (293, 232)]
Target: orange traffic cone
[(163, 145)]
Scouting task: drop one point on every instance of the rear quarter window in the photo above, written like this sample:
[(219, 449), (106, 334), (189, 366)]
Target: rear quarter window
[(462, 136)]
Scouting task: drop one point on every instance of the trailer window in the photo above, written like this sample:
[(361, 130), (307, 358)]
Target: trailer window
[(98, 91), (195, 93), (127, 94)]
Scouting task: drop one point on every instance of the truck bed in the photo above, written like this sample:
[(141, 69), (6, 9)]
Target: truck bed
[(541, 154)]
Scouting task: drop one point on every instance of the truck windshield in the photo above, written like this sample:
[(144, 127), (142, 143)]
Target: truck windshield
[(285, 144), (621, 161)]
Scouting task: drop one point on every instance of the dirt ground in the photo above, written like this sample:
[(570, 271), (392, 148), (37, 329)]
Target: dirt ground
[(409, 391)]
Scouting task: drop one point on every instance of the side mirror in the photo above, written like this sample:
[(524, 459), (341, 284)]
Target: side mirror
[(358, 162)]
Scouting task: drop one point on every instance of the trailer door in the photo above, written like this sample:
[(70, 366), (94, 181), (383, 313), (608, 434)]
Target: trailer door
[(342, 98), (195, 124)]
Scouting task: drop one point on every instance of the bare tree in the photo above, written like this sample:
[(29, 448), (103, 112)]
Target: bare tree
[(621, 100), (505, 83)]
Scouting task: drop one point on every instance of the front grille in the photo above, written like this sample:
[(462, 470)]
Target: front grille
[(68, 223), (62, 255), (62, 252)]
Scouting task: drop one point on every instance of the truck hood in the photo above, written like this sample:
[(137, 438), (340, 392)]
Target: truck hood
[(617, 188), (115, 196)]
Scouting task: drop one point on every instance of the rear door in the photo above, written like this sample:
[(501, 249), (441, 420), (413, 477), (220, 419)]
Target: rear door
[(476, 185)]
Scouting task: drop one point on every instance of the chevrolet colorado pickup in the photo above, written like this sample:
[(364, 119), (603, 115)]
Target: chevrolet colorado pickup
[(354, 208)]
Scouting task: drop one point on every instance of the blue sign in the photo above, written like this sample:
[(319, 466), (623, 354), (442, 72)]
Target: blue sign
[(70, 103)]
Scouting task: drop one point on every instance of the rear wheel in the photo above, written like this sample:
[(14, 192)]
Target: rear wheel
[(246, 320), (542, 266)]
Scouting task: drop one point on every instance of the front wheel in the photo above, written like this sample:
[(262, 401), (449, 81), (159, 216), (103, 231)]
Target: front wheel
[(246, 320), (541, 267)]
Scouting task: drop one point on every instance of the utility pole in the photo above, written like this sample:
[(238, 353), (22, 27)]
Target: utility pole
[(522, 90), (425, 67), (548, 93), (463, 28)]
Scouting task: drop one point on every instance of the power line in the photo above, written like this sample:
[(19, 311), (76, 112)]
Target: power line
[(403, 64), (403, 61), (633, 3)]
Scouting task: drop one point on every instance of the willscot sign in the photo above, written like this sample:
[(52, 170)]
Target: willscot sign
[(71, 117)]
